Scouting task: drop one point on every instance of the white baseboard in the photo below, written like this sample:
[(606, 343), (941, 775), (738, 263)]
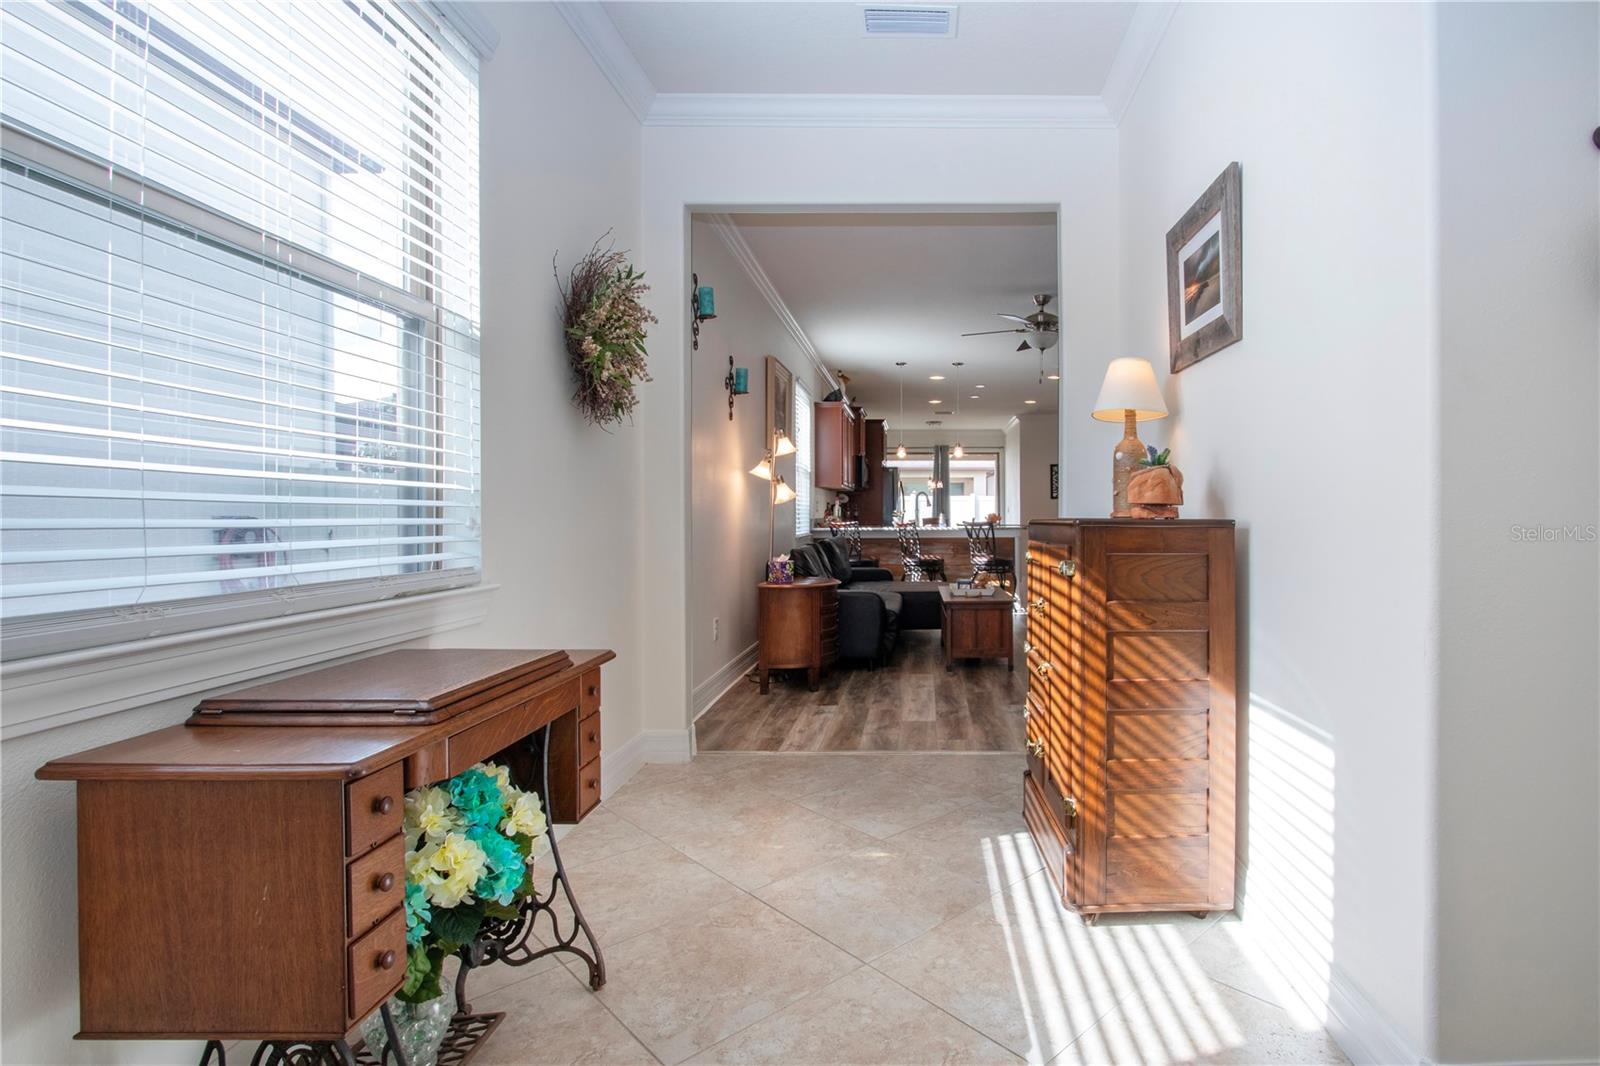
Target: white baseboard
[(1361, 1029), (650, 745), (712, 688)]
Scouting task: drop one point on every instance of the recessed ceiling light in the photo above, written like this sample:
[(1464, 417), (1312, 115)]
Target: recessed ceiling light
[(974, 396), (1053, 377), (1030, 401), (980, 386), (933, 401), (935, 377)]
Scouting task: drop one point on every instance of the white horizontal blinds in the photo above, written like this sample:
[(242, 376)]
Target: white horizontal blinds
[(238, 303), (803, 413)]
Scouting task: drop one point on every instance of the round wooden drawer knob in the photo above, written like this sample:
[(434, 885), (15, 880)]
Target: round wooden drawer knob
[(383, 805), (386, 960), (593, 691), (384, 883)]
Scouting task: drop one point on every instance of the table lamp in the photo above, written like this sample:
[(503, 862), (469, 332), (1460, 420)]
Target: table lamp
[(1129, 393)]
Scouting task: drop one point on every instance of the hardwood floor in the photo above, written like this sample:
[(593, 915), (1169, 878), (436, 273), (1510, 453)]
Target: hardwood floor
[(913, 704)]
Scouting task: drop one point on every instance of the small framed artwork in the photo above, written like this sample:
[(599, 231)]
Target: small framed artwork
[(1055, 481), (1205, 275), (780, 400)]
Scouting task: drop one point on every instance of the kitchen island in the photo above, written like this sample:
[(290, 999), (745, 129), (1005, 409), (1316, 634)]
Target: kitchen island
[(947, 542)]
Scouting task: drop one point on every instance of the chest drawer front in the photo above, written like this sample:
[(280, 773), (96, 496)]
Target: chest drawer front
[(377, 964), (589, 740), (373, 808), (588, 788), (589, 693), (376, 884), (479, 742)]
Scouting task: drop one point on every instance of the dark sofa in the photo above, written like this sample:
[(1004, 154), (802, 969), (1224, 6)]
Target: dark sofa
[(873, 606)]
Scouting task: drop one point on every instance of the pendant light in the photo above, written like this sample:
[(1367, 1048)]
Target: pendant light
[(900, 452), (958, 452)]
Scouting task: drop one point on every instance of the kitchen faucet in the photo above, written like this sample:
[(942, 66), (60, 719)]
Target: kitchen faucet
[(920, 496)]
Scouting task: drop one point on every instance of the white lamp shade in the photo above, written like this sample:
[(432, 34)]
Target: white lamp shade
[(784, 493), (783, 447), (1130, 385), (762, 470)]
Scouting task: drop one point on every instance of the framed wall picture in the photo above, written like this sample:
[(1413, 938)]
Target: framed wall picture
[(1055, 481), (1205, 275), (780, 399)]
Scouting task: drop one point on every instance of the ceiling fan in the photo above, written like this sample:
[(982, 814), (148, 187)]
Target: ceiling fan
[(1040, 330)]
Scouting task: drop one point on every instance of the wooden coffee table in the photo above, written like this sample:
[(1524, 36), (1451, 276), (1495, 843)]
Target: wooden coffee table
[(975, 627)]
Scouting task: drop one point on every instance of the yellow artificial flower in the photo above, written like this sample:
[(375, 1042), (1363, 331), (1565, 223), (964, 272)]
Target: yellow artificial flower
[(419, 866), (460, 862), (501, 774), (428, 811), (525, 817)]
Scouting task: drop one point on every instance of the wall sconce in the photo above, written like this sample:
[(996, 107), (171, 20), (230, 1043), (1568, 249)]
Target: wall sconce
[(737, 383), (702, 305)]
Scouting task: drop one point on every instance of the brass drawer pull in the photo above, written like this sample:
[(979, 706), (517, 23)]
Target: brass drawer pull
[(1038, 604), (1027, 556), (1036, 748), (1070, 805), (1027, 646), (1026, 714), (1042, 669), (1068, 567)]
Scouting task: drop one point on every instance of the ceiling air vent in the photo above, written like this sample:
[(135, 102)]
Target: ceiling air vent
[(910, 21)]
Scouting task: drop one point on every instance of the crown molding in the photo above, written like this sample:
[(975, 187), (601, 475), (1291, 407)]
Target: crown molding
[(728, 230), (598, 34), (879, 110), (1138, 48)]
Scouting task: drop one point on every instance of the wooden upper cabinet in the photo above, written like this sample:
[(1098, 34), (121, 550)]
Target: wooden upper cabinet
[(834, 434)]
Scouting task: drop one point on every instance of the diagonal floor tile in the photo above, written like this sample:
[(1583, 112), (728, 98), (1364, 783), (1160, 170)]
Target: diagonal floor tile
[(886, 803), (1205, 1022), (980, 774), (683, 988), (984, 841), (553, 1019), (775, 841), (863, 1019), (699, 803), (796, 776), (873, 899), (1018, 967), (600, 835), (639, 890)]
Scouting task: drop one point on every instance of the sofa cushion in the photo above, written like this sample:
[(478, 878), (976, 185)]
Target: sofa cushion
[(836, 558), (808, 562)]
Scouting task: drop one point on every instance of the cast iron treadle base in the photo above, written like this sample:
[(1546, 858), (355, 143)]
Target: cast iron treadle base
[(467, 1034), (508, 940), (285, 1053)]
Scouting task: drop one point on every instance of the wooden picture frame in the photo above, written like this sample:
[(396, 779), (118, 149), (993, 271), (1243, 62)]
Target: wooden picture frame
[(1205, 274), (780, 400)]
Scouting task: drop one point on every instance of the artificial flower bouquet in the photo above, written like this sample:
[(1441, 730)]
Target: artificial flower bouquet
[(469, 845)]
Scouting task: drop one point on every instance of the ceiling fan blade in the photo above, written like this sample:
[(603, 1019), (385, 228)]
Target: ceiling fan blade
[(1014, 318), (986, 332), (1022, 347)]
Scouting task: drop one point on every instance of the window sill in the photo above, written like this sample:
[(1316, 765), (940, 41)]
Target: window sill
[(55, 690)]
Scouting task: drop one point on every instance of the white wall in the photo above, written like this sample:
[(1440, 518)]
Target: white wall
[(765, 168), (1315, 433), (1519, 302), (560, 499), (728, 516), (1011, 477), (1038, 446)]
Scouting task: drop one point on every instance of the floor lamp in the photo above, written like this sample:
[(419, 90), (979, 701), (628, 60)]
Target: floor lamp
[(780, 492)]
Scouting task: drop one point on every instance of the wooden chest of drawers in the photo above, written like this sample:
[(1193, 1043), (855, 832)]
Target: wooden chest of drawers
[(246, 880), (1131, 655), (799, 622)]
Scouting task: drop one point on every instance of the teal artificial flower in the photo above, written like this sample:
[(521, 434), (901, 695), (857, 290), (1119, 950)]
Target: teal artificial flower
[(505, 869), (418, 913), (478, 797)]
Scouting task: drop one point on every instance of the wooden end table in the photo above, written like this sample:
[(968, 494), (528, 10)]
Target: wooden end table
[(975, 627), (799, 626)]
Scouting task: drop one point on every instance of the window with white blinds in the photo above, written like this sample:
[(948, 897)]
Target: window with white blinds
[(803, 413), (238, 313)]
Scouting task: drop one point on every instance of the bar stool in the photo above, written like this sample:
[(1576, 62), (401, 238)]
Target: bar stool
[(852, 540), (984, 551), (917, 566)]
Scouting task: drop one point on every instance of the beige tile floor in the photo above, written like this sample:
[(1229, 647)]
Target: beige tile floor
[(866, 908)]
